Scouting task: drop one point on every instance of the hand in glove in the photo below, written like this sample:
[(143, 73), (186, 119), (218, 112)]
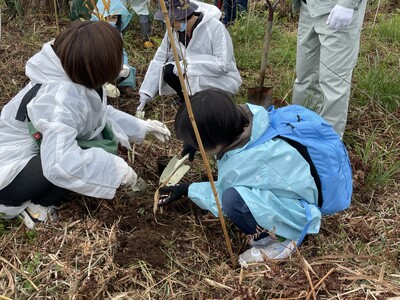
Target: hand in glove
[(159, 130), (340, 17), (188, 149), (139, 114), (183, 67), (125, 71), (144, 98), (169, 194), (130, 178)]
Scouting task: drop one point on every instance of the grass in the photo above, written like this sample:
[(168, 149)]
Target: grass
[(248, 39), (96, 250)]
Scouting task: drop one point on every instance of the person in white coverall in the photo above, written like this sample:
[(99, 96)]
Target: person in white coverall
[(327, 48), (39, 167), (205, 51)]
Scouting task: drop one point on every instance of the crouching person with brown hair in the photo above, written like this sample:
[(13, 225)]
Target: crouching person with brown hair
[(59, 135)]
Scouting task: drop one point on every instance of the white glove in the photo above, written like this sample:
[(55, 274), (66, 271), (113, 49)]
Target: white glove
[(112, 91), (183, 67), (130, 177), (340, 17), (124, 73), (159, 130), (139, 114), (144, 98)]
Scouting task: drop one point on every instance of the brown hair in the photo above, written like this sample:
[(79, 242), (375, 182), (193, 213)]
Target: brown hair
[(90, 52)]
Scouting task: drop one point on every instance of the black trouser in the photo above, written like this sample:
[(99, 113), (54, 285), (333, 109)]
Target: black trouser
[(30, 184), (173, 81)]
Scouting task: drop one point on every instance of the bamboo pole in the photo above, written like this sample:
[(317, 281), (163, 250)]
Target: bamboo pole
[(198, 138)]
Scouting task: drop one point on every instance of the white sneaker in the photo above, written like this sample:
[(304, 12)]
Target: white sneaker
[(264, 242), (9, 212), (273, 250), (124, 73), (35, 213)]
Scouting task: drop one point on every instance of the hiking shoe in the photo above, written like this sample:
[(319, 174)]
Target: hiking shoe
[(124, 73), (264, 242), (149, 44), (9, 212), (273, 250), (35, 213)]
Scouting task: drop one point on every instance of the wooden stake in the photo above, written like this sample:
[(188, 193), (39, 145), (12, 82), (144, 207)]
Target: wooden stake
[(56, 15), (193, 121)]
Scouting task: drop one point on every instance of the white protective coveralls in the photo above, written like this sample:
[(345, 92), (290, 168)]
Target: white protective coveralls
[(209, 56), (326, 58), (271, 178), (64, 111)]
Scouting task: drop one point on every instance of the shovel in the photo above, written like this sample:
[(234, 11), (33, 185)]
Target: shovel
[(261, 95), (174, 171), (172, 174)]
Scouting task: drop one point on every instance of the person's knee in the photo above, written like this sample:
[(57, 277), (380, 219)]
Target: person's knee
[(231, 202), (168, 71)]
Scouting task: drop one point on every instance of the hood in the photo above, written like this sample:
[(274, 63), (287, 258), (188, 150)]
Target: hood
[(247, 119), (256, 123), (260, 122), (209, 10), (116, 8), (45, 66)]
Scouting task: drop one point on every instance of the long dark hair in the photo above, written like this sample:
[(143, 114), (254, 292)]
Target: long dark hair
[(217, 118)]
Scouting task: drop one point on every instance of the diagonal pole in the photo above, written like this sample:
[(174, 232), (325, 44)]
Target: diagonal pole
[(56, 16), (198, 138)]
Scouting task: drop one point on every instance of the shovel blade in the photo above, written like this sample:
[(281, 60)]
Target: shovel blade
[(260, 96), (171, 168)]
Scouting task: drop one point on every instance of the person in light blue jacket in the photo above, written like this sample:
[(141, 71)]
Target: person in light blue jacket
[(119, 17), (259, 187)]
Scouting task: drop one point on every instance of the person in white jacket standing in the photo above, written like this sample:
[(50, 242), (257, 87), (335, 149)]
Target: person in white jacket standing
[(53, 142), (205, 51), (328, 42)]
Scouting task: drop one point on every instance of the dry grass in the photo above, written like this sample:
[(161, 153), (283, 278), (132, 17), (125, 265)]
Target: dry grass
[(114, 250)]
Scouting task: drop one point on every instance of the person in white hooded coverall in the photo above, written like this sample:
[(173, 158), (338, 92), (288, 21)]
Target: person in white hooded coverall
[(260, 188), (205, 51), (327, 48), (70, 105)]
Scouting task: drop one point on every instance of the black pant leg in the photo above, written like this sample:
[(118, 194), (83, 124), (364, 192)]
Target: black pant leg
[(173, 81), (30, 184)]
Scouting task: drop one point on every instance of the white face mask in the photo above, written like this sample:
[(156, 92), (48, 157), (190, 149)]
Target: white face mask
[(113, 24)]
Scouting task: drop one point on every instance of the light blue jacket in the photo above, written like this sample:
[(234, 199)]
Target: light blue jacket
[(271, 178), (116, 8)]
